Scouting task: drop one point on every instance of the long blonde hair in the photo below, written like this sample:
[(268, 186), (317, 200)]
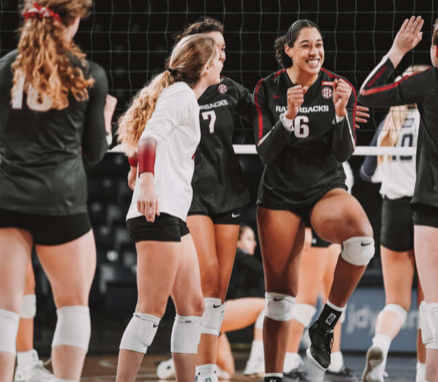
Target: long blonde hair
[(396, 117), (186, 64), (44, 53)]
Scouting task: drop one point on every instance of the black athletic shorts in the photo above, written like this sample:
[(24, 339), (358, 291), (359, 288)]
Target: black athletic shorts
[(305, 211), (165, 228), (229, 218), (46, 229), (317, 242), (397, 229), (425, 215)]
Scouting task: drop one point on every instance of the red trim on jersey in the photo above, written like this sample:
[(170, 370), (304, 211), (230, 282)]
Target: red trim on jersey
[(376, 77), (332, 75), (278, 73), (259, 110), (390, 86)]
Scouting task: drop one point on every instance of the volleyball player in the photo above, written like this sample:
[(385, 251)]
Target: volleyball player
[(54, 113), (162, 126), (397, 175), (421, 89), (29, 366), (219, 193), (304, 125)]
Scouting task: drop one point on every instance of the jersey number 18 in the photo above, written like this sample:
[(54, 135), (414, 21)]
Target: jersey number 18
[(32, 98)]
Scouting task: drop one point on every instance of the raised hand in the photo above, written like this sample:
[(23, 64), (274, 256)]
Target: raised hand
[(108, 112), (341, 94), (295, 98), (407, 38)]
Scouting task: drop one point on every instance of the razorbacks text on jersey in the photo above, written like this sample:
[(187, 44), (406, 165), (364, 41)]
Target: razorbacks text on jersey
[(218, 183), (420, 88), (396, 173), (42, 149), (305, 163)]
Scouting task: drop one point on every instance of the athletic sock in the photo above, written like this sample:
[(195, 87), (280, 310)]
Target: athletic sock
[(330, 315), (336, 362), (383, 341), (27, 359), (291, 361), (421, 372)]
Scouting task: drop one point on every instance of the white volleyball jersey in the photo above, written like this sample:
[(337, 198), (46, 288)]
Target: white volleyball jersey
[(399, 172), (174, 125)]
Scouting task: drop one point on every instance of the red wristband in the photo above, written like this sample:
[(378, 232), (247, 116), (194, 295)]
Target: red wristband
[(146, 156), (133, 161)]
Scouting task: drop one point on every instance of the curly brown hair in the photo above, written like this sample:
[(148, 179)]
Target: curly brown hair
[(46, 57)]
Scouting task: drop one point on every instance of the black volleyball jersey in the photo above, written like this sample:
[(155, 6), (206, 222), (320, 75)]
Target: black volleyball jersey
[(42, 149), (420, 88), (303, 164), (218, 180)]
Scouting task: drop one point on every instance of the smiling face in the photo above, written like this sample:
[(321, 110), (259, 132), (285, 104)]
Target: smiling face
[(307, 53), (247, 241)]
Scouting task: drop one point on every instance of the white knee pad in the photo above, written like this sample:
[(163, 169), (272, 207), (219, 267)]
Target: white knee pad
[(186, 334), (343, 315), (73, 327), (279, 307), (28, 306), (140, 332), (303, 313), (260, 318), (432, 319), (8, 330), (398, 310), (426, 332), (214, 312), (358, 250)]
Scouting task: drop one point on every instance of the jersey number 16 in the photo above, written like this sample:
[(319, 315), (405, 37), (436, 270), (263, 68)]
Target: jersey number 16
[(32, 98)]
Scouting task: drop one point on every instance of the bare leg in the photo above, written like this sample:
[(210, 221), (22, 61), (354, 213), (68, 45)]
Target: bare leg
[(426, 256), (225, 358), (241, 313), (281, 238), (203, 233), (155, 278), (336, 225), (187, 296), (70, 268), (25, 329), (15, 250)]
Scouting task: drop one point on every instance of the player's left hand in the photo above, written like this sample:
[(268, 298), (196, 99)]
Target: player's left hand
[(361, 115), (341, 94)]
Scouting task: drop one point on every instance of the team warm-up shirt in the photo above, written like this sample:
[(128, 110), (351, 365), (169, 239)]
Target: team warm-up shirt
[(174, 125), (42, 149), (397, 172), (420, 88), (218, 179), (302, 164)]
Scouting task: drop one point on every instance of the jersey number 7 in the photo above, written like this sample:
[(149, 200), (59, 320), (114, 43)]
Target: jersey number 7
[(210, 115)]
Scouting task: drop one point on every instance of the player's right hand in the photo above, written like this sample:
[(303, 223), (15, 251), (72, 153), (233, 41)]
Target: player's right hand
[(147, 203), (295, 98), (409, 35)]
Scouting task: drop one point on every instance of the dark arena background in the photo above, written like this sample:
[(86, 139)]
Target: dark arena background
[(131, 39)]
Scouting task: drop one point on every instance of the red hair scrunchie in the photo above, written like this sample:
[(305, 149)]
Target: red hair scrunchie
[(40, 12)]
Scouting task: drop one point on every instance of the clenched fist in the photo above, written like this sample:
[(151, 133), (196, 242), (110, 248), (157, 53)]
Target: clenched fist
[(295, 98)]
